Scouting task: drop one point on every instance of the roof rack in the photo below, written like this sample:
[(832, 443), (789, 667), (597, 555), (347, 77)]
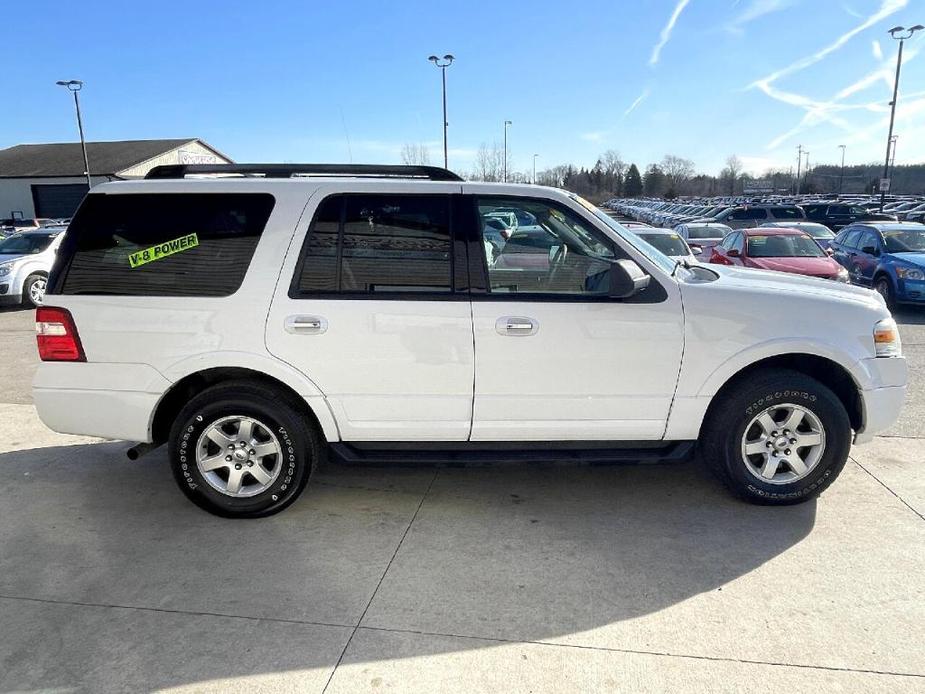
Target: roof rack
[(430, 173)]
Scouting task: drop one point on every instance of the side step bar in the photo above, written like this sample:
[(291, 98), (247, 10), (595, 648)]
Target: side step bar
[(474, 454)]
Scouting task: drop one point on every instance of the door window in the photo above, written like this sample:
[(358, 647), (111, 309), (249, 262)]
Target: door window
[(546, 250), (868, 240), (377, 244), (851, 238)]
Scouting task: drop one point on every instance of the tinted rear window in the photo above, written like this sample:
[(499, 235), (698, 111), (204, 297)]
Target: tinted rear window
[(173, 244), (705, 232)]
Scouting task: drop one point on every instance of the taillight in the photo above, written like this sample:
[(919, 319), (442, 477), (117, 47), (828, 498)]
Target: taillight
[(57, 335)]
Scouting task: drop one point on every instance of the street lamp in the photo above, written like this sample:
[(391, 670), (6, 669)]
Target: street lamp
[(534, 168), (75, 86), (443, 64), (900, 34), (841, 175), (504, 174)]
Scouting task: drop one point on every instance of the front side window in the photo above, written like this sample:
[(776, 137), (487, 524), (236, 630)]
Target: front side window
[(378, 244), (786, 213), (869, 240), (161, 244), (850, 239), (549, 249)]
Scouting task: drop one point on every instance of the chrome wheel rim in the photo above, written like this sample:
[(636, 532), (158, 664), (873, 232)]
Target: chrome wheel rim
[(37, 292), (239, 456), (783, 444)]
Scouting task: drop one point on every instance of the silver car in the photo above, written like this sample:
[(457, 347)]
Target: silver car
[(702, 236), (25, 261)]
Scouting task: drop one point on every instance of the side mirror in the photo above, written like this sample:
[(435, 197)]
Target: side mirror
[(626, 279), (870, 250), (733, 253), (696, 250), (829, 251)]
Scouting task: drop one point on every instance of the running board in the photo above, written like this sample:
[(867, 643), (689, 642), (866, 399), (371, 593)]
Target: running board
[(463, 454)]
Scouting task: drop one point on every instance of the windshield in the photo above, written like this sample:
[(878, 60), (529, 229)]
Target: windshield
[(705, 232), (649, 251), (669, 244), (25, 244), (784, 246), (905, 241)]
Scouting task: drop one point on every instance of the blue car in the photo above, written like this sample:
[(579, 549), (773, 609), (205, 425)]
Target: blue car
[(889, 257)]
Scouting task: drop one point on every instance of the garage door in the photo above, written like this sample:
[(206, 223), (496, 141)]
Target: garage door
[(58, 200)]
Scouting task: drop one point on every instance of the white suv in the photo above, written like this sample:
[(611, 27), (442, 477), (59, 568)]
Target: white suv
[(259, 319)]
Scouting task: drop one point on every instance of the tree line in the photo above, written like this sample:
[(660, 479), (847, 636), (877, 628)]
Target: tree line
[(675, 176)]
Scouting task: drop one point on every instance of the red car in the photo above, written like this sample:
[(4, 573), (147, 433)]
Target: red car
[(784, 250)]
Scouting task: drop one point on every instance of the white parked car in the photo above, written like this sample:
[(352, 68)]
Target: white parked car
[(668, 242), (25, 261), (253, 323)]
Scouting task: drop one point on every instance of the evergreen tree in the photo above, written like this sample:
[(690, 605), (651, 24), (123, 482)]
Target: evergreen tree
[(632, 184)]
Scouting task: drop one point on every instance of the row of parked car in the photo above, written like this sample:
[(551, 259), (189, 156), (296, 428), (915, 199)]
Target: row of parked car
[(740, 214), (886, 256)]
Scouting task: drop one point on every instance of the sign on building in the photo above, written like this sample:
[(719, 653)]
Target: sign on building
[(187, 157), (758, 185)]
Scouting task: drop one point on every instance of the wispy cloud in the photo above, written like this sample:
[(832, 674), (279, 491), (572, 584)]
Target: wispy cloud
[(887, 8), (755, 10), (666, 31), (639, 99)]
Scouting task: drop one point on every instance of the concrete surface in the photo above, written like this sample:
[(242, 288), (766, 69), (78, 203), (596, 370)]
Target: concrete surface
[(515, 579)]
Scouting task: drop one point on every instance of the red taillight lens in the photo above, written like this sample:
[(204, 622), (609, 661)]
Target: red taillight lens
[(57, 335)]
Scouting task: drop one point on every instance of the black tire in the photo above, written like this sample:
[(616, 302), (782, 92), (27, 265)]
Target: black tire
[(725, 427), (27, 286), (299, 442), (884, 288)]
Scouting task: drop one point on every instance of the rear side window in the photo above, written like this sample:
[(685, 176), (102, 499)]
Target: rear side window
[(377, 244), (787, 213), (162, 244)]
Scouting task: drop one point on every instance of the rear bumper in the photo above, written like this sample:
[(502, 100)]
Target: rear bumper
[(112, 401)]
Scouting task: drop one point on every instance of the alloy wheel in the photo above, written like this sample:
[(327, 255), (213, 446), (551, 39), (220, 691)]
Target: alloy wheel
[(783, 444), (239, 456)]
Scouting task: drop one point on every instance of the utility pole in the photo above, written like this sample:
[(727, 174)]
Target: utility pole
[(905, 34), (504, 174), (799, 164), (534, 168), (841, 175), (446, 62)]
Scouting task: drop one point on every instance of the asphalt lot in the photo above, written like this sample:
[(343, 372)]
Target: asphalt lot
[(513, 579)]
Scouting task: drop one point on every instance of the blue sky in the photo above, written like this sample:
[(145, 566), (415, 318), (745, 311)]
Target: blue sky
[(281, 81)]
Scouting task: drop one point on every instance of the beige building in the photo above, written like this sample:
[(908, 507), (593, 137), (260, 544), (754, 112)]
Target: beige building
[(48, 180)]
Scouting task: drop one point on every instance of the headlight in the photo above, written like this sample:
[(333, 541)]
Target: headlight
[(910, 273), (886, 339), (842, 275), (5, 270)]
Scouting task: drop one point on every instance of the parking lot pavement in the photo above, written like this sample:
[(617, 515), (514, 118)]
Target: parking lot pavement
[(515, 579)]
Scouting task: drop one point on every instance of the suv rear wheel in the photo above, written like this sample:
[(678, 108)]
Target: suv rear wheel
[(779, 437), (242, 450)]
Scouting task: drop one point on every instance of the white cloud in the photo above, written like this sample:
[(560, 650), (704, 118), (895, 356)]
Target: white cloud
[(887, 8), (755, 10), (595, 136), (878, 51), (639, 99), (666, 31)]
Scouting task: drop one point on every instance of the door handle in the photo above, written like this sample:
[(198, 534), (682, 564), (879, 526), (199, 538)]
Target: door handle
[(305, 325), (516, 326)]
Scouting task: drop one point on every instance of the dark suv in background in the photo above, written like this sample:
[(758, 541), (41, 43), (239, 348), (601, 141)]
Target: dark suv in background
[(840, 214)]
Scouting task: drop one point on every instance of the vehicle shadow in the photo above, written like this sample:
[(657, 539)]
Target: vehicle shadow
[(510, 552), (909, 315)]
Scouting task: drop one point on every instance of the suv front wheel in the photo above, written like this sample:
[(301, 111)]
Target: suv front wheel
[(242, 450), (777, 437)]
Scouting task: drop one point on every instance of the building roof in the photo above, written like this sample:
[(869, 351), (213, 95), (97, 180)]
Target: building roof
[(66, 158)]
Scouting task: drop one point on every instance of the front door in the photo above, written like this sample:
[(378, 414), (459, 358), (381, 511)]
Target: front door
[(556, 358), (371, 310)]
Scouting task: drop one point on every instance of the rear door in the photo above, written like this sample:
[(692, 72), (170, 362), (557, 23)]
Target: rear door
[(556, 358), (373, 307)]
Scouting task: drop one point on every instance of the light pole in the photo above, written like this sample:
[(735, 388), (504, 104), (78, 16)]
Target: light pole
[(900, 34), (799, 164), (534, 168), (443, 64), (841, 175), (75, 86), (504, 174)]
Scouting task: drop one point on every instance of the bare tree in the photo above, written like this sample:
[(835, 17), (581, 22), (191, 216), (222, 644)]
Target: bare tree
[(489, 163), (732, 171), (412, 154), (612, 163), (678, 171)]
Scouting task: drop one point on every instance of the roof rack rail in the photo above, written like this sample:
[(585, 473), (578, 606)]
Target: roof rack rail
[(430, 173)]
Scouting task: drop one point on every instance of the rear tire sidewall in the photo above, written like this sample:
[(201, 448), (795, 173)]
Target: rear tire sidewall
[(286, 425), (744, 406)]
